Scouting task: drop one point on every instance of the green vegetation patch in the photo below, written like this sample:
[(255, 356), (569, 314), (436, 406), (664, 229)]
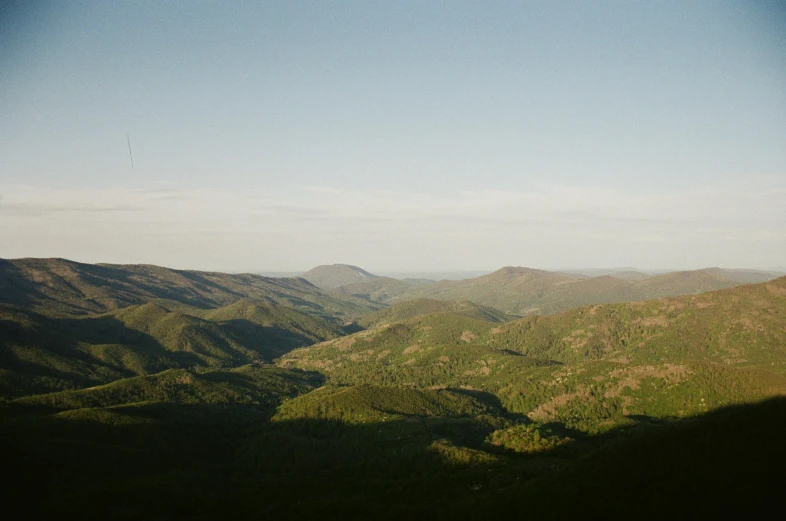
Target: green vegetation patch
[(366, 403)]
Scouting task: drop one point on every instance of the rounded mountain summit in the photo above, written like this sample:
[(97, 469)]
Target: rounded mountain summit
[(336, 275)]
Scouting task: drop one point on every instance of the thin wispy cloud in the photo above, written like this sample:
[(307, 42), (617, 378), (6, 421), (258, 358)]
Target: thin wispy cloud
[(486, 228)]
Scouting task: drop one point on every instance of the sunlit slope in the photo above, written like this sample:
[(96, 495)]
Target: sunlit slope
[(419, 307), (742, 326), (525, 291), (512, 290), (379, 289), (360, 404), (588, 367), (698, 281), (283, 327), (58, 286), (42, 353), (259, 385), (439, 349), (405, 341)]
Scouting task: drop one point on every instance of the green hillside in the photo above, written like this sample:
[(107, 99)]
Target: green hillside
[(419, 307), (697, 281), (378, 404), (379, 289), (512, 290), (43, 354), (588, 368), (284, 327), (259, 385)]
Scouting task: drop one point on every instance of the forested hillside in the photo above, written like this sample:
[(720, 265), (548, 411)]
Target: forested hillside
[(256, 403)]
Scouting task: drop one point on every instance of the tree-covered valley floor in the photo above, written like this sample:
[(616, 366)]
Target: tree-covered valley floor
[(210, 403)]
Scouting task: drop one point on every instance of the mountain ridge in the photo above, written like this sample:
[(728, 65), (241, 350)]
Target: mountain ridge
[(526, 291), (73, 288)]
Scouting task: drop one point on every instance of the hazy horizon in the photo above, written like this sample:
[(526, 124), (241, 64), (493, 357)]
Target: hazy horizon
[(404, 137), (438, 273)]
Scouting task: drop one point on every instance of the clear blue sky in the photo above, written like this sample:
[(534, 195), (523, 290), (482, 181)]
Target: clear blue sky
[(394, 135)]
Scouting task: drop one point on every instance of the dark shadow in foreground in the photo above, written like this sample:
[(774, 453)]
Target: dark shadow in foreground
[(163, 461)]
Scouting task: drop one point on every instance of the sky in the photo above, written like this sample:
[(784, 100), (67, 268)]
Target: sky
[(396, 136)]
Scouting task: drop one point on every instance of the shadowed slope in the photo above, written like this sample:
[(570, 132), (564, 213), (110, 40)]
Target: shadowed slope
[(726, 464), (389, 457), (41, 353), (67, 287)]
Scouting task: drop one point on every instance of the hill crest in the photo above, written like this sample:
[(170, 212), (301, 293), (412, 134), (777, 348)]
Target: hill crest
[(331, 276), (63, 287)]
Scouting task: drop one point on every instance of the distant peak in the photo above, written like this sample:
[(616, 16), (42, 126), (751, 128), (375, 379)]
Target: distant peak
[(329, 276), (515, 270), (340, 267)]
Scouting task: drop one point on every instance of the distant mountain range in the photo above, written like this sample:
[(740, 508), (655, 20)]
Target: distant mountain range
[(525, 291)]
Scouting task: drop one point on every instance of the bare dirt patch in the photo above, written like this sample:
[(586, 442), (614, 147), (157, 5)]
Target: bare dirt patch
[(362, 356), (346, 345), (631, 378), (326, 365), (675, 305), (550, 409), (481, 371), (468, 336), (750, 325), (776, 289), (657, 320)]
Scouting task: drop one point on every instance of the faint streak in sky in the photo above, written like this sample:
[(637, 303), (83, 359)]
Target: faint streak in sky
[(128, 138)]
